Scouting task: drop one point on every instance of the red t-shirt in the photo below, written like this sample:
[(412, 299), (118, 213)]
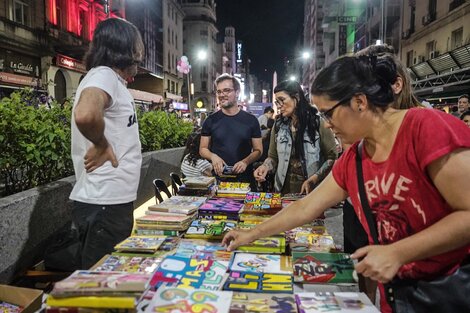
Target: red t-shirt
[(401, 195)]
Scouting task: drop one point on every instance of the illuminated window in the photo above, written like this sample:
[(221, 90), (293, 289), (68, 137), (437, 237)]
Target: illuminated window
[(61, 13), (21, 12)]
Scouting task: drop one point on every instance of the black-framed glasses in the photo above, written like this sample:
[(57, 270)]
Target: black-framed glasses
[(329, 113), (224, 91)]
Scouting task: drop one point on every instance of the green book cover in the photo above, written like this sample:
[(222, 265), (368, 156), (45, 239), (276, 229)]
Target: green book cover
[(313, 267)]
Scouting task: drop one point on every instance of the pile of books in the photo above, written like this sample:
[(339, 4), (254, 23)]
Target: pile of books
[(197, 186), (233, 190), (171, 217), (221, 209), (262, 203), (98, 290), (274, 244)]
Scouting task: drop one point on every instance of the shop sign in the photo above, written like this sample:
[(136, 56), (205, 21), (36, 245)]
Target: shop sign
[(17, 63), (70, 63), (347, 19), (239, 52), (180, 106), (19, 79)]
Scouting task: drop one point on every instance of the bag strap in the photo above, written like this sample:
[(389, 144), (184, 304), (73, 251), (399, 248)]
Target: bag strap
[(362, 195), (388, 287)]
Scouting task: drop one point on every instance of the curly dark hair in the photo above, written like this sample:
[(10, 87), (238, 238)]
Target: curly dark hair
[(192, 147), (115, 44), (306, 114)]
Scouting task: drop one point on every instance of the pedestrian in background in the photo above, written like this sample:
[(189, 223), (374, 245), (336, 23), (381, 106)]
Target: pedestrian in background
[(301, 150), (106, 150)]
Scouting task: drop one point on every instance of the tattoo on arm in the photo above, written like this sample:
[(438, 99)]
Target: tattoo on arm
[(324, 169)]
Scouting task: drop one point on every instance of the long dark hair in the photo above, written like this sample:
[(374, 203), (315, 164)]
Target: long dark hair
[(348, 76), (192, 147), (308, 119), (115, 44)]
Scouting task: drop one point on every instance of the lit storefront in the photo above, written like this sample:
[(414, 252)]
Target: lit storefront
[(64, 75), (17, 71)]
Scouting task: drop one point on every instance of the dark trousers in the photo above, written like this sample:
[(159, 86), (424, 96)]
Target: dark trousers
[(100, 228)]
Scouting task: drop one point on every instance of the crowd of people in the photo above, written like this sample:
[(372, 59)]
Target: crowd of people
[(403, 165)]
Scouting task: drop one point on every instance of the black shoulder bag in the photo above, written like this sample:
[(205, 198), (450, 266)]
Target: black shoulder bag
[(444, 294)]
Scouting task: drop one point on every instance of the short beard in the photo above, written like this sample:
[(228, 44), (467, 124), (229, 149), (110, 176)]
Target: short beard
[(228, 104)]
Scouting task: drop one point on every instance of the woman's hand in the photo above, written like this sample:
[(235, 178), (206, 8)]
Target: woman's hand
[(237, 237), (380, 263), (260, 173), (307, 185)]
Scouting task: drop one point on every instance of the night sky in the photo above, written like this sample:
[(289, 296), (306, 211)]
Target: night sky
[(269, 29)]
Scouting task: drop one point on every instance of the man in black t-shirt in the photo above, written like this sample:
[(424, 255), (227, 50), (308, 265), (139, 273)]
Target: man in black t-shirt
[(231, 137)]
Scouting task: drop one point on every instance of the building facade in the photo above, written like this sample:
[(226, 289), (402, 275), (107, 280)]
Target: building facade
[(172, 49), (229, 45), (199, 39), (435, 47)]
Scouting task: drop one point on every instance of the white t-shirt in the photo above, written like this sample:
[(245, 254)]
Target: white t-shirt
[(106, 184)]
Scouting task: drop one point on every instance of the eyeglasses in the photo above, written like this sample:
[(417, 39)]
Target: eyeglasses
[(327, 115), (224, 91)]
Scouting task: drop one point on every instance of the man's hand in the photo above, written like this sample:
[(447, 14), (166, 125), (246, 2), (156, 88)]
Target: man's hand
[(260, 173), (237, 237), (218, 164), (97, 155), (380, 263), (239, 167), (307, 185)]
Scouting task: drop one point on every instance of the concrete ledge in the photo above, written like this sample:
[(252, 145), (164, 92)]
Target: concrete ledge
[(31, 217)]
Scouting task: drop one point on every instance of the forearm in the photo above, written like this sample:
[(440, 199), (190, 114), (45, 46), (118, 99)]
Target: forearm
[(206, 153), (92, 128), (447, 234), (252, 157), (324, 170), (270, 164)]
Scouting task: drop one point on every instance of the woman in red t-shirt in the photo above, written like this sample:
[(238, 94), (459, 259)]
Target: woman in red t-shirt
[(416, 165)]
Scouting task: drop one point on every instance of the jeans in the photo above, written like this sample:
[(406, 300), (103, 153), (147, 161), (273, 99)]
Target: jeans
[(100, 228)]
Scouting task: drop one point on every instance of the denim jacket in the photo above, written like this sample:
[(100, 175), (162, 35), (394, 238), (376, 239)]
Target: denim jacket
[(284, 144)]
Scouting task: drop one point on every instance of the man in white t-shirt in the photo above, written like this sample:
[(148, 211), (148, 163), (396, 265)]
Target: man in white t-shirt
[(263, 120), (106, 150)]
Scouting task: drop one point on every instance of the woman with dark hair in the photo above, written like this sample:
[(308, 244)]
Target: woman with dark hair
[(106, 150), (301, 150), (193, 164), (409, 169), (465, 117)]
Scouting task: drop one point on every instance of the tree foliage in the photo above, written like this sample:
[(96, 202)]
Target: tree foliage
[(35, 139)]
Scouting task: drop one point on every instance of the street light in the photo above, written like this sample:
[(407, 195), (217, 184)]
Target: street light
[(306, 55), (202, 55), (292, 77)]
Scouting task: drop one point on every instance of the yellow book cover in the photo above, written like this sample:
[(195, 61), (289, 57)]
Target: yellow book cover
[(93, 302)]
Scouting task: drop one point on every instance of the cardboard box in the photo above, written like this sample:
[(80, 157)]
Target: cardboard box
[(29, 299)]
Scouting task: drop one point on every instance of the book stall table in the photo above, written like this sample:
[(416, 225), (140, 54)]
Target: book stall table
[(175, 262)]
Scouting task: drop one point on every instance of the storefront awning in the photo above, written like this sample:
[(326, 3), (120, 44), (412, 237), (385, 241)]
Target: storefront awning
[(172, 96), (145, 96)]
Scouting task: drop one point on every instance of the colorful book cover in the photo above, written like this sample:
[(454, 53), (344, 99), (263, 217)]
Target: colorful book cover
[(233, 188), (209, 229), (313, 267), (308, 242), (140, 243), (179, 204), (260, 263), (221, 205), (202, 250), (244, 302), (262, 203), (170, 243), (217, 217), (136, 264), (169, 300), (341, 302), (182, 272), (259, 282), (266, 245), (92, 283)]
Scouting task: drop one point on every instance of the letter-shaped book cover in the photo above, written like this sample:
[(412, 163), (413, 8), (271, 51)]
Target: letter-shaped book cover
[(168, 299)]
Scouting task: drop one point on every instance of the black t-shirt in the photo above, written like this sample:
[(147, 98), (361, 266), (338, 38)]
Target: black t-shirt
[(231, 135)]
